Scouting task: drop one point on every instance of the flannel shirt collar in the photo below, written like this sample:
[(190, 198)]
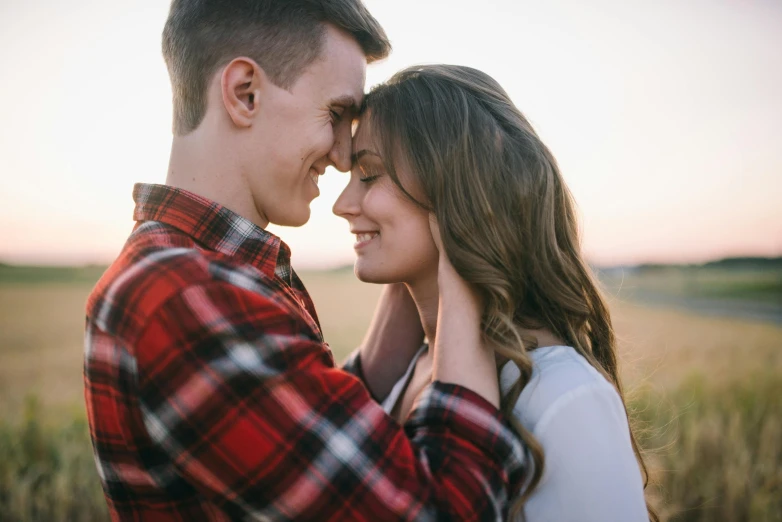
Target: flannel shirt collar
[(213, 226)]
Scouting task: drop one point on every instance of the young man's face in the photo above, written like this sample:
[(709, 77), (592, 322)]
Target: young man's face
[(307, 129)]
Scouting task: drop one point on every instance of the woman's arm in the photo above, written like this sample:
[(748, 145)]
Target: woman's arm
[(392, 340)]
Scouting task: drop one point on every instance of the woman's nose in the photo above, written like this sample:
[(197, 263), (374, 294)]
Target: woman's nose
[(347, 203)]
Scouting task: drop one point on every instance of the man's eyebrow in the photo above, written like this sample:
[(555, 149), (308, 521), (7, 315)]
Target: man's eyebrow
[(360, 154), (346, 101)]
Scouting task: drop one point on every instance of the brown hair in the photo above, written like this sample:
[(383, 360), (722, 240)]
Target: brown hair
[(506, 217), (283, 36)]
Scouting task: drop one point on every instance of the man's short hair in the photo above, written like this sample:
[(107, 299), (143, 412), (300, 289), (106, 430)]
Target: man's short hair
[(282, 36)]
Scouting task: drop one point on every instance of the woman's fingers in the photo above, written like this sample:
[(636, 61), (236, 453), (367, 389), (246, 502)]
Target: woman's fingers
[(434, 227)]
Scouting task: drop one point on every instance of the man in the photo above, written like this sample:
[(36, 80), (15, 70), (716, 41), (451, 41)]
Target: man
[(210, 392)]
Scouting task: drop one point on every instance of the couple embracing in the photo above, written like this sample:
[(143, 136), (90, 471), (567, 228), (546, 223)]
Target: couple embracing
[(487, 384)]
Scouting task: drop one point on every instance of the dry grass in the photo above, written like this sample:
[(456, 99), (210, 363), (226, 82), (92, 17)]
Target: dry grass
[(345, 307), (715, 452), (661, 348), (708, 391), (41, 339)]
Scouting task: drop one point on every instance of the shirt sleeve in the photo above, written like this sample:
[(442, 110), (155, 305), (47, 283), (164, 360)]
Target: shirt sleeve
[(591, 473), (352, 365), (244, 403)]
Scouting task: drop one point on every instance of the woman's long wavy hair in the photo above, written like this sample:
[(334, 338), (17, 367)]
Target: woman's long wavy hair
[(506, 217)]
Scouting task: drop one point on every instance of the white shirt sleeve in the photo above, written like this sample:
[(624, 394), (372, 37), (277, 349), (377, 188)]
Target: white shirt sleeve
[(591, 473)]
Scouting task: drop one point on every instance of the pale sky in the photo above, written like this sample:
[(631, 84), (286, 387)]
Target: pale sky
[(665, 117)]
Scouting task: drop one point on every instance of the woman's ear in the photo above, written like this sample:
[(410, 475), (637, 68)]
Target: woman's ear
[(240, 84)]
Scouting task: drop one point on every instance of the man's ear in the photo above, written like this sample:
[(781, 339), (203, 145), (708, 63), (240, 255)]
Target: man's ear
[(240, 83)]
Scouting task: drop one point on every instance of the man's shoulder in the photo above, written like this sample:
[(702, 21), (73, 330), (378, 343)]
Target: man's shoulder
[(158, 262)]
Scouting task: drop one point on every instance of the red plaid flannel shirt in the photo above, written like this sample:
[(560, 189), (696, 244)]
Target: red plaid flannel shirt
[(212, 396)]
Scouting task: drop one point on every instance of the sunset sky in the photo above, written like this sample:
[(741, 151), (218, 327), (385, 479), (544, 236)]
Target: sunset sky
[(665, 117)]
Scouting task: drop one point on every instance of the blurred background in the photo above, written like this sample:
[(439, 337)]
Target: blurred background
[(665, 117)]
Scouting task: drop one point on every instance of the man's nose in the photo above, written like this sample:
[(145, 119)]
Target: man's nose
[(339, 155)]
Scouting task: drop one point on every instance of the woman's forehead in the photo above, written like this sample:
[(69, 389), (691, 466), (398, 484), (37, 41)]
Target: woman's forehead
[(364, 139)]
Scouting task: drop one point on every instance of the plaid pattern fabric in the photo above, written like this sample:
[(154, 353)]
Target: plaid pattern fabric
[(211, 394)]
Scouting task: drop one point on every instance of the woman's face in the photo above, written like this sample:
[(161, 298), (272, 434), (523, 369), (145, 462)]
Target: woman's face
[(393, 240)]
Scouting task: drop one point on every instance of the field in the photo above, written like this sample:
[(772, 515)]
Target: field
[(705, 391)]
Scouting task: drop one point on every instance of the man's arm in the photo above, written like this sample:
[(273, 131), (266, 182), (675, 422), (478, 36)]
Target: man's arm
[(246, 404), (393, 338)]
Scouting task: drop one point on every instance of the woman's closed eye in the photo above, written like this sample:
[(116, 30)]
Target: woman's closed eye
[(368, 173)]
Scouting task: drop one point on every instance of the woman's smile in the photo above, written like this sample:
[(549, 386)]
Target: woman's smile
[(364, 238)]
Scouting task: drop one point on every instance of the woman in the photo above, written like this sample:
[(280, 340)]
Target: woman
[(447, 142)]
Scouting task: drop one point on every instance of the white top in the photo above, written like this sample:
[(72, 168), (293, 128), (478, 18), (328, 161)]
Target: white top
[(399, 388), (591, 473)]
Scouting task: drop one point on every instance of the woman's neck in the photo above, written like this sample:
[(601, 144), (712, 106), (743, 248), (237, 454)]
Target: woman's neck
[(426, 296), (544, 336)]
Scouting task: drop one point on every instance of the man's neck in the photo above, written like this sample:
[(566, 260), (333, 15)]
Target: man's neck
[(202, 164)]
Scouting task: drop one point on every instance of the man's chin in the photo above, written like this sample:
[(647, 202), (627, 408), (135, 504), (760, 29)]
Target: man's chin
[(292, 219)]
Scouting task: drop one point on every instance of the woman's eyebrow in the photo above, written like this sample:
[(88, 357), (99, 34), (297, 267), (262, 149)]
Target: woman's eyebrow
[(360, 154)]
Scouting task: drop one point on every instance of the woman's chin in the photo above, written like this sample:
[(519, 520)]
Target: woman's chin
[(366, 274)]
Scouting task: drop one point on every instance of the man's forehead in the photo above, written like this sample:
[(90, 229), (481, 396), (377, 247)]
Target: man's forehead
[(341, 68)]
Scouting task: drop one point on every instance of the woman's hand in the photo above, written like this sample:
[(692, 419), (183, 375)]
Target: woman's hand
[(434, 228), (448, 279), (459, 354)]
